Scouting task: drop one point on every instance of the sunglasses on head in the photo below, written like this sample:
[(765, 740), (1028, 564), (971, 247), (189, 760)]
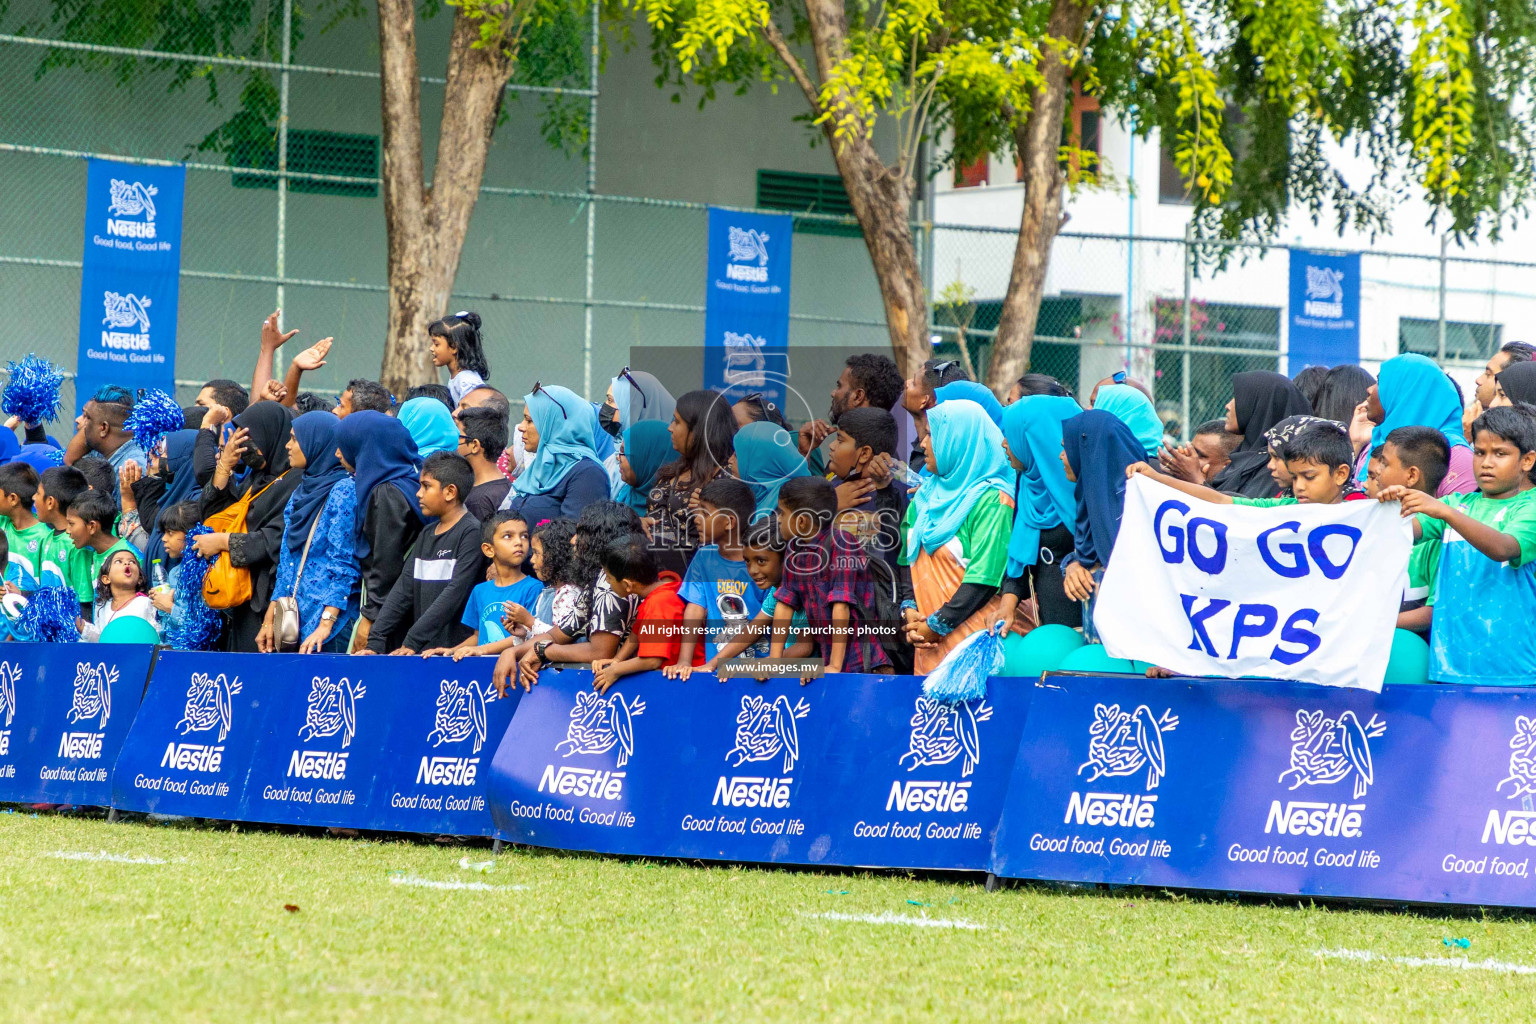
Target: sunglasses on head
[(537, 387), (761, 399), (624, 374)]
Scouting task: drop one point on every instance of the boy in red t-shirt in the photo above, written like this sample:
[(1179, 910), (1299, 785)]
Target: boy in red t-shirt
[(656, 637)]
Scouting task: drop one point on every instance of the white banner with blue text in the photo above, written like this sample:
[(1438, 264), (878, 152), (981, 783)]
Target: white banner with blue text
[(1307, 592)]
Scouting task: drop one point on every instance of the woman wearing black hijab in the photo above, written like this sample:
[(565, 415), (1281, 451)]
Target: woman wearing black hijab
[(260, 444), (1260, 400), (1516, 385)]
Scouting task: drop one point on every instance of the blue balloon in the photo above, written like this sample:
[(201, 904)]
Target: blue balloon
[(1409, 660), (129, 629), (1042, 649), (1094, 658)]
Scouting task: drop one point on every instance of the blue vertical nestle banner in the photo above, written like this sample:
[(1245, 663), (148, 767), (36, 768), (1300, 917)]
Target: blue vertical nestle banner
[(746, 304), (129, 279), (1325, 309)]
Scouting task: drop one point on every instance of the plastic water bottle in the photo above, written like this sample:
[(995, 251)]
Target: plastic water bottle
[(903, 472), (156, 575)]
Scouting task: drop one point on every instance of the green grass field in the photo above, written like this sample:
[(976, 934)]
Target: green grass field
[(190, 924)]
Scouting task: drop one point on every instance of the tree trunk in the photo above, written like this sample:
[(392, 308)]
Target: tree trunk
[(881, 197), (882, 202), (1039, 141), (426, 226)]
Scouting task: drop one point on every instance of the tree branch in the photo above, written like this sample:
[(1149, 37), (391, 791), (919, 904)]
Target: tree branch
[(797, 71)]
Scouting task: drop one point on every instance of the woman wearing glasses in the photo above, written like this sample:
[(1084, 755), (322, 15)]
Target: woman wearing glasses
[(564, 475), (634, 396)]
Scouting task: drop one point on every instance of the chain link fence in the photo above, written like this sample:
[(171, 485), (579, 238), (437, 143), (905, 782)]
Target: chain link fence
[(569, 281)]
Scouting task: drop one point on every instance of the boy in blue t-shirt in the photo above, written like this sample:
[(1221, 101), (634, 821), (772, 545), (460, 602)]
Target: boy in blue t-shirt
[(1485, 590), (720, 593), (504, 540), (765, 564)]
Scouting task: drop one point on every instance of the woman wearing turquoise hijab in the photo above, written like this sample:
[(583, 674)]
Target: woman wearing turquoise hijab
[(1046, 508), (766, 456), (1133, 408), (647, 447), (563, 475), (1412, 391), (431, 426), (955, 537)]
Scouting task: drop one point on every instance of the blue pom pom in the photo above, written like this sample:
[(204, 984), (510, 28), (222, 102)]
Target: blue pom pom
[(32, 390), (964, 672), (49, 617), (197, 627), (154, 415)]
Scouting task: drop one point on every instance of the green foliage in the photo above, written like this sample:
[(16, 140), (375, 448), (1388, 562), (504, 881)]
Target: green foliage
[(549, 38), (1259, 100)]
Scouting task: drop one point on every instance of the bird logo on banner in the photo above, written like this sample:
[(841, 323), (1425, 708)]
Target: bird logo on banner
[(1121, 742), (93, 693), (130, 200), (598, 724), (10, 674), (332, 709), (764, 730), (460, 713), (1522, 759), (210, 702), (941, 731), (1328, 750)]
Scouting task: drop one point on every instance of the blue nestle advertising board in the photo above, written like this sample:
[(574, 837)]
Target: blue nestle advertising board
[(853, 770), (376, 743)]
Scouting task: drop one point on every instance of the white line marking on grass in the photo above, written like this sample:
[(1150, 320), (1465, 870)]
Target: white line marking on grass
[(432, 883), (905, 919), (1459, 963), (115, 858)]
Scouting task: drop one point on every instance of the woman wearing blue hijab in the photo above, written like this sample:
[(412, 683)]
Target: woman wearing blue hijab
[(634, 396), (956, 533), (647, 447), (1135, 410), (974, 392), (1046, 508), (1097, 448), (386, 519), (766, 456), (317, 561), (564, 474), (431, 426), (1411, 391)]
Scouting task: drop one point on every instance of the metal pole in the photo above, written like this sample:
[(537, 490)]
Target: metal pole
[(586, 340), (1440, 343), (1186, 428), (1130, 236), (282, 163)]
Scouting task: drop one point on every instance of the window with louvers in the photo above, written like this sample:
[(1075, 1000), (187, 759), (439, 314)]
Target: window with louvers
[(795, 192)]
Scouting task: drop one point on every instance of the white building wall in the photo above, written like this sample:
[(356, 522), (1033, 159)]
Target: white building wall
[(1392, 286)]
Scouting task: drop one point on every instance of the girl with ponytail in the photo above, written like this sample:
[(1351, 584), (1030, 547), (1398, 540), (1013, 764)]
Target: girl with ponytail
[(456, 345)]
